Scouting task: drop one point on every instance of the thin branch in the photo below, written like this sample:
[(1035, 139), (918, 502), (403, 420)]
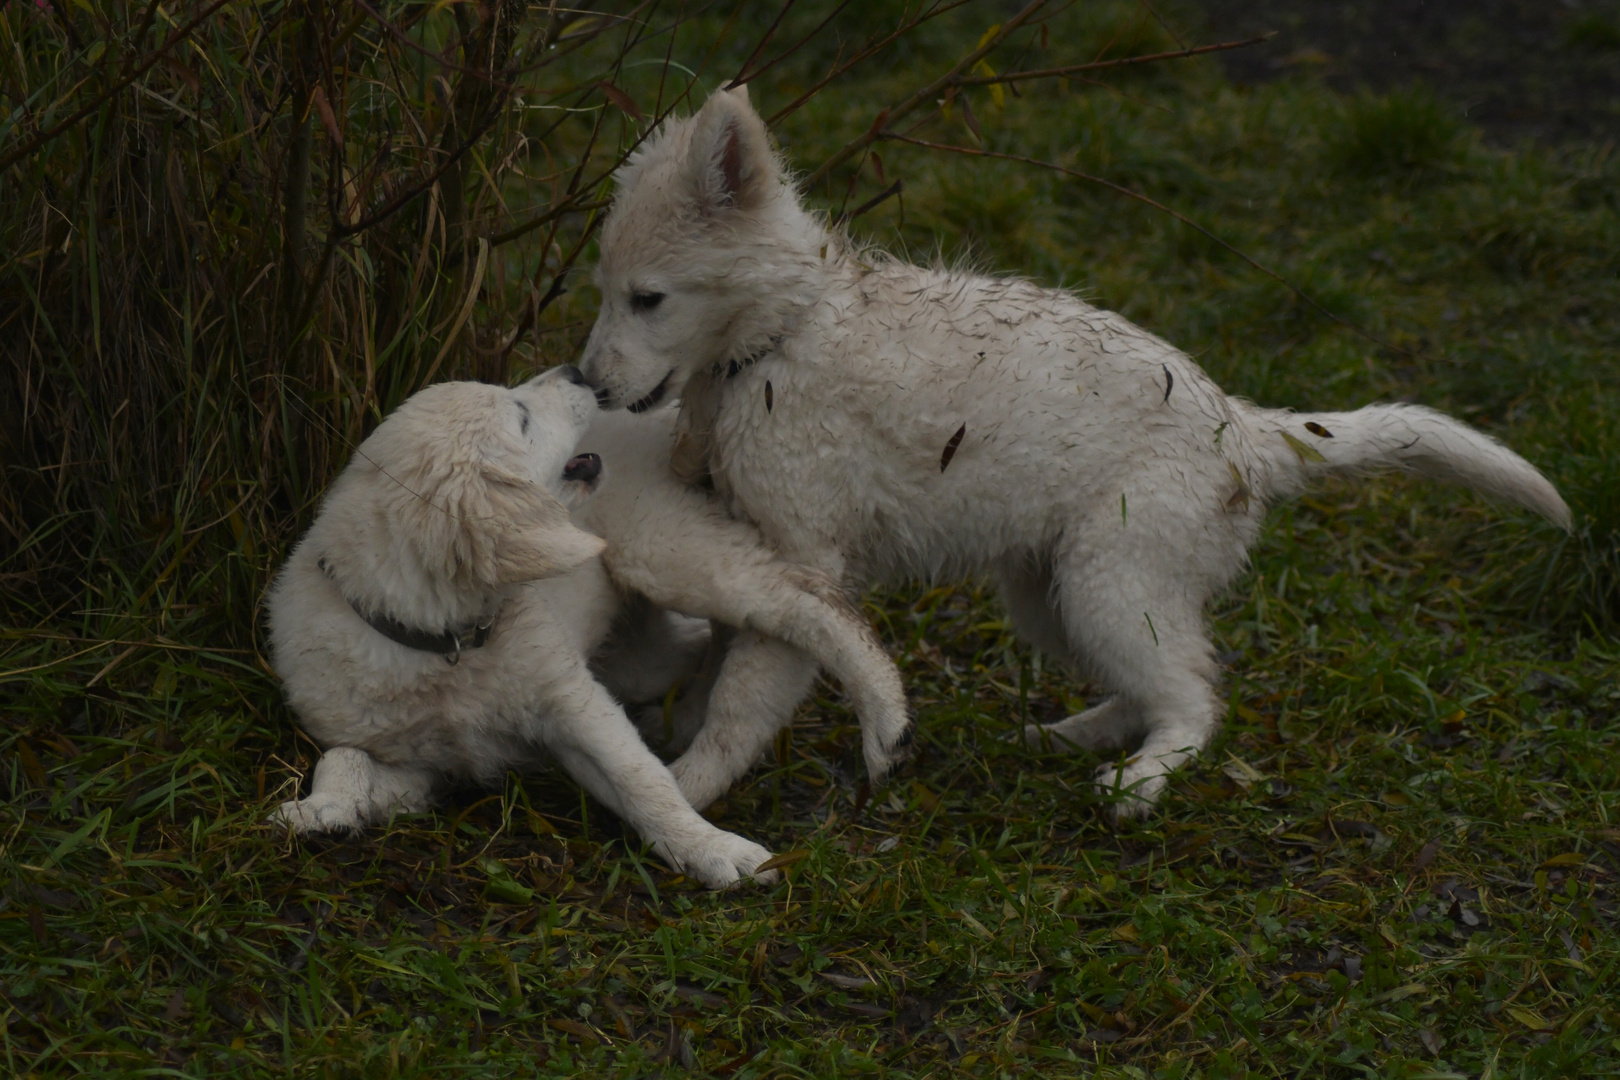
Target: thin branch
[(873, 47), (1098, 65), (1184, 219), (875, 201), (896, 111), (46, 136)]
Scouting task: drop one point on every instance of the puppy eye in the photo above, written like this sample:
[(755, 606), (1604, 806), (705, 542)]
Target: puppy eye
[(643, 302)]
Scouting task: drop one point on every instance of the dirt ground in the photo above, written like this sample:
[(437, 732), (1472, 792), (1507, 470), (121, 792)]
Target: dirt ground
[(1547, 70)]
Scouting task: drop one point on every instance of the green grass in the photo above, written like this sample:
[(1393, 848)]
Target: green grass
[(1398, 859)]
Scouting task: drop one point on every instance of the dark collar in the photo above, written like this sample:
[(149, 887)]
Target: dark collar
[(448, 644), (732, 369)]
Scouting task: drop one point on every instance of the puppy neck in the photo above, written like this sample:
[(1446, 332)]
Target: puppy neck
[(399, 590)]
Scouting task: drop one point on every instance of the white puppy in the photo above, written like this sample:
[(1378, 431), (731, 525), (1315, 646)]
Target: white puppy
[(437, 620), (882, 421)]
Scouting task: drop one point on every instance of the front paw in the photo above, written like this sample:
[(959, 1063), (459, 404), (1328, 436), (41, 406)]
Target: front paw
[(318, 814), (726, 860), (1132, 790)]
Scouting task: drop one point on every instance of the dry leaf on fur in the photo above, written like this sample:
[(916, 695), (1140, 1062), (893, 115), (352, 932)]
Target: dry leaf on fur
[(1306, 453), (950, 447)]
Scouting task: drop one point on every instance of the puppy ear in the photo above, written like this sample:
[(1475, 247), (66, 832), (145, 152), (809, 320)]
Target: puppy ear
[(730, 164), (530, 533)]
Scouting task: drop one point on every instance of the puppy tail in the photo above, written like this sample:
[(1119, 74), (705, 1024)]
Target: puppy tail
[(1297, 447)]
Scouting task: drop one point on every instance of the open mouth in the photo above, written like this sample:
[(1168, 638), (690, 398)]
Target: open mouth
[(652, 398), (584, 468)]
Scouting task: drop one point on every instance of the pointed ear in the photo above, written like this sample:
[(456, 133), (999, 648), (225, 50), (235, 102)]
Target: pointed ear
[(531, 534), (730, 164)]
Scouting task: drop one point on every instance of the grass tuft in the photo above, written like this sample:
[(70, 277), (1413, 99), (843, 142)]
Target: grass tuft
[(1404, 134)]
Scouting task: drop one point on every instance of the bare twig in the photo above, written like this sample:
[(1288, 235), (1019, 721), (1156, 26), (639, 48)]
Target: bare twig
[(1098, 65), (899, 109)]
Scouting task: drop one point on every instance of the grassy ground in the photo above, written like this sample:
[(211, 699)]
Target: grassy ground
[(1398, 859)]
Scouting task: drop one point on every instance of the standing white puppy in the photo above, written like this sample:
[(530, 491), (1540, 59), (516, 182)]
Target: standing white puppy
[(882, 421)]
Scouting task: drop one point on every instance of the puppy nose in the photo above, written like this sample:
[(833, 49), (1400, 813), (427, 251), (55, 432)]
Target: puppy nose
[(584, 468), (572, 374)]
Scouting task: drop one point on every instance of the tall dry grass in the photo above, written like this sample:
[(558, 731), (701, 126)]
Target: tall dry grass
[(234, 235)]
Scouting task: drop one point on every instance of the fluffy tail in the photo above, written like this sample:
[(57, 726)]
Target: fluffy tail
[(1296, 447)]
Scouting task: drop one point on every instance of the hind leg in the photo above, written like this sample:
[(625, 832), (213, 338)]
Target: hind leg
[(1026, 588), (1142, 632), (352, 789)]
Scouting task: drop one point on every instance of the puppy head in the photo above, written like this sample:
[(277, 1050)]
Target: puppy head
[(462, 489), (705, 255)]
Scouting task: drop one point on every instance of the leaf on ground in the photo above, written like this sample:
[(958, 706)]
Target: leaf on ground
[(1528, 1017), (575, 1028), (787, 858), (1242, 772)]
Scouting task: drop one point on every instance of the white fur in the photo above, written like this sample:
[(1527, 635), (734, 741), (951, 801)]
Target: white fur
[(1107, 502), (452, 513)]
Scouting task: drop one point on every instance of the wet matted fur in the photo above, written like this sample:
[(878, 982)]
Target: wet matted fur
[(882, 421)]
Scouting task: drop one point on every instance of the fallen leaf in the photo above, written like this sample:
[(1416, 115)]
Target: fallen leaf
[(950, 447), (623, 100), (1528, 1017), (575, 1028), (845, 982), (1318, 430), (1242, 772), (927, 800), (787, 858), (1426, 856), (1432, 1042), (1568, 858)]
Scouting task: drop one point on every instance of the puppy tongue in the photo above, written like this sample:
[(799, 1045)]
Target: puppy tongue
[(585, 467)]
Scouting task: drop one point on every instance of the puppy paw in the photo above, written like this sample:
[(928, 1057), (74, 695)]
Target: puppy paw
[(318, 815), (1132, 791), (728, 859), (883, 757)]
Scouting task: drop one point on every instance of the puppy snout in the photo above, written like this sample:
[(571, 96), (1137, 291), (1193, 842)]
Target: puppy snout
[(572, 374), (584, 467)]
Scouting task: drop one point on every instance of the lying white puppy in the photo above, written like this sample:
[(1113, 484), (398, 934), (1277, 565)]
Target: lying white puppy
[(438, 619), (884, 422)]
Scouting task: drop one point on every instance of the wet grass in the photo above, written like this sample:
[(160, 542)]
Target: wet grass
[(1398, 859)]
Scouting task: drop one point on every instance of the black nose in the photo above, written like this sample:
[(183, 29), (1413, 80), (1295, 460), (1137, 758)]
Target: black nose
[(572, 374), (584, 468)]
